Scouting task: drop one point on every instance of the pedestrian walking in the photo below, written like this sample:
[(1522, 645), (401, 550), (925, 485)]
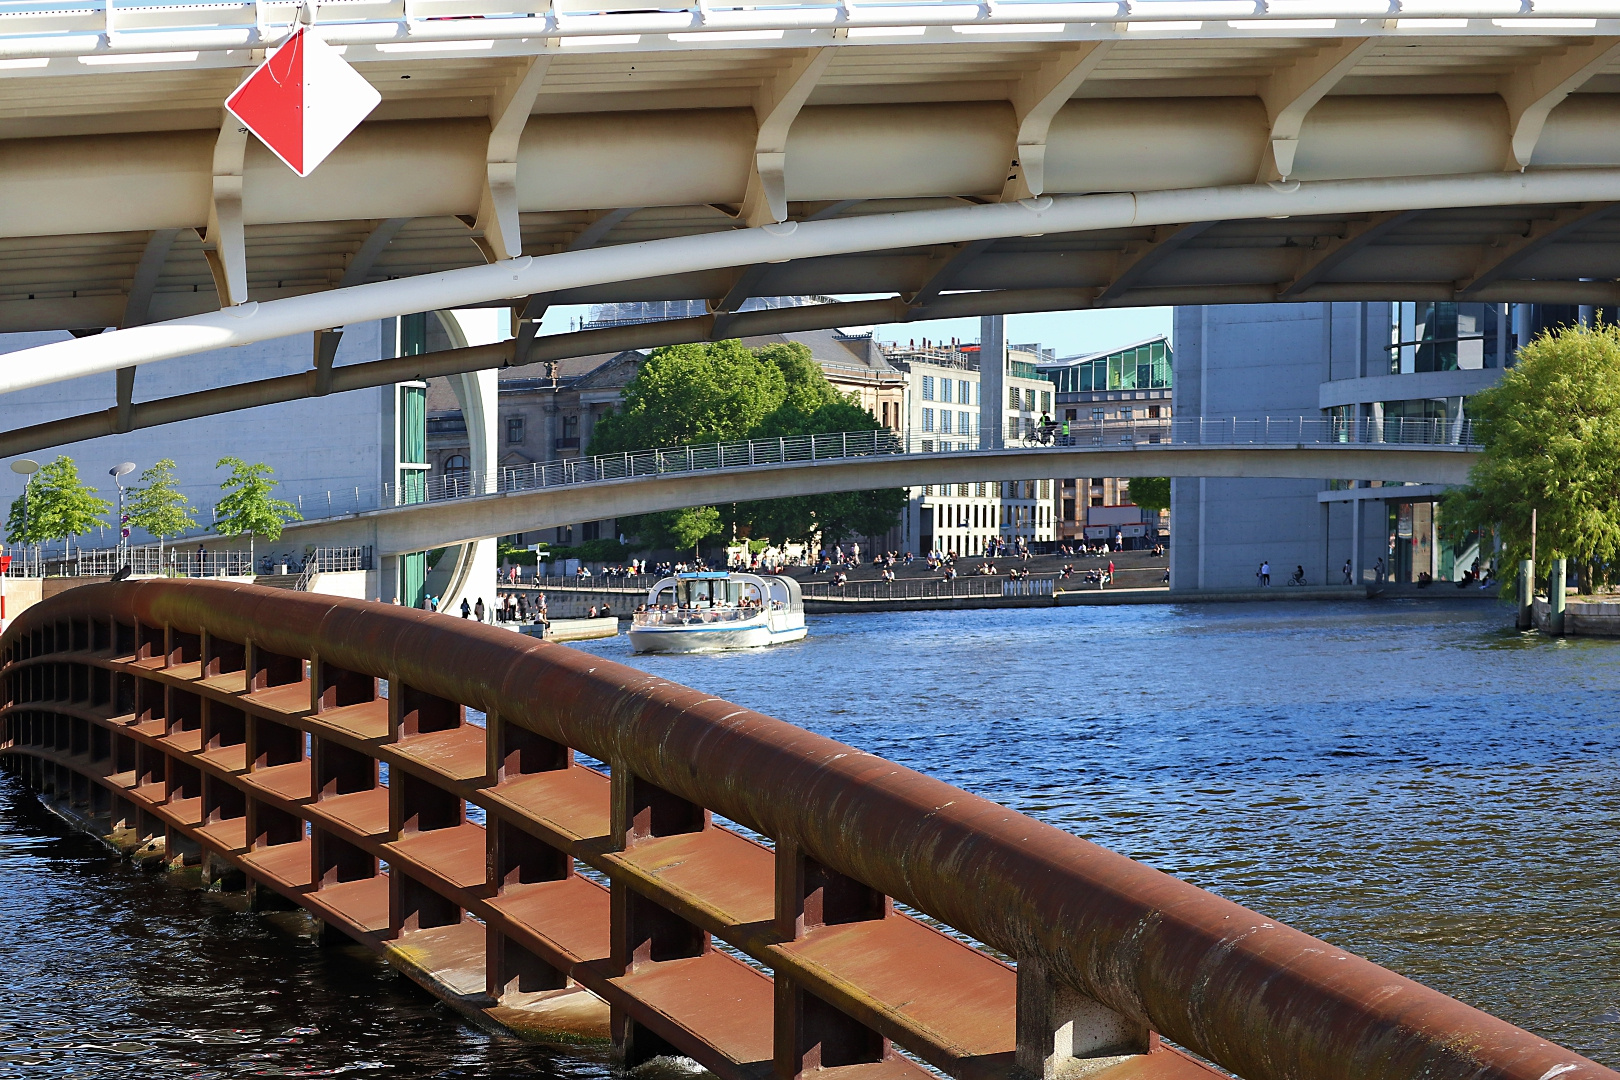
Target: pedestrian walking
[(466, 609), (1347, 572), (478, 609), (1265, 574)]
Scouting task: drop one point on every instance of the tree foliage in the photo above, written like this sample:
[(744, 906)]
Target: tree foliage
[(724, 392), (157, 504), (1151, 492), (1551, 435), (60, 506), (248, 507)]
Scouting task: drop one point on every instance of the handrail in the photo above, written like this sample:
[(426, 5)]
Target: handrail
[(1144, 950), (1144, 434), (51, 29)]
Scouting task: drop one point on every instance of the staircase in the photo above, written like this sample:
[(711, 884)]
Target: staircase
[(278, 581)]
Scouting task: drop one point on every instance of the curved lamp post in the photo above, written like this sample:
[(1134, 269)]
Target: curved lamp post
[(118, 472)]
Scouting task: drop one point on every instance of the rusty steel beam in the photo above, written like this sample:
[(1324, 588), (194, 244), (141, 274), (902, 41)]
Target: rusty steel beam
[(1109, 952)]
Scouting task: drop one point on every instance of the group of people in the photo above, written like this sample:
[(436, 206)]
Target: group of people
[(508, 607)]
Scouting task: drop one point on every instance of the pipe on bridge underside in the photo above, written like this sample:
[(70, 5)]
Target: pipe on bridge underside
[(788, 241), (1259, 998)]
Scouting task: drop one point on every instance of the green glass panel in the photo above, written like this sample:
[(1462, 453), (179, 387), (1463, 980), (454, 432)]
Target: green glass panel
[(413, 578)]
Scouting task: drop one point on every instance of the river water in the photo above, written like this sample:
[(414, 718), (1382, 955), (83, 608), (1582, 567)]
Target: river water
[(1409, 781)]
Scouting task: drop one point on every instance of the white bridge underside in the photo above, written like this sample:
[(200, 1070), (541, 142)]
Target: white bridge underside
[(1467, 154)]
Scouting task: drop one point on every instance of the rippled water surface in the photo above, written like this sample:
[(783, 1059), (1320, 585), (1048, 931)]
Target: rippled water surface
[(1411, 782)]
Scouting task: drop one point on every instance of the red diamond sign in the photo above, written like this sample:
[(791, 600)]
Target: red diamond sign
[(303, 100)]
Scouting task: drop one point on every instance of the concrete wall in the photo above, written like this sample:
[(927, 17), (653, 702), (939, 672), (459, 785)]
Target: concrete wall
[(319, 445), (1252, 362)]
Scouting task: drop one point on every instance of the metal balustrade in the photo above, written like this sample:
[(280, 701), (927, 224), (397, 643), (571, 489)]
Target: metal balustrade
[(1144, 434), (31, 27), (246, 728)]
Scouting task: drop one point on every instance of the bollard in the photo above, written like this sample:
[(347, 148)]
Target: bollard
[(1555, 599), (1527, 594)]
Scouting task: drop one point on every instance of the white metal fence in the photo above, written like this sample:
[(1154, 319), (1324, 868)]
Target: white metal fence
[(810, 449)]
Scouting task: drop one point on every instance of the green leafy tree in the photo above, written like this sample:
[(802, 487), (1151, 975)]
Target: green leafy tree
[(1551, 435), (248, 507), (835, 516), (158, 506), (1151, 492), (60, 506), (722, 392), (700, 393)]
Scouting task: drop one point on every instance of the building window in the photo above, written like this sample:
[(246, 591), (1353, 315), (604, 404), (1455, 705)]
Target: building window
[(928, 388), (1428, 336), (944, 389), (964, 392), (1012, 427), (928, 490), (1046, 489), (944, 421), (1029, 401), (1046, 401), (592, 530), (1153, 412), (514, 429), (1012, 397), (455, 467), (978, 489), (1098, 414), (928, 419), (1127, 414), (569, 439)]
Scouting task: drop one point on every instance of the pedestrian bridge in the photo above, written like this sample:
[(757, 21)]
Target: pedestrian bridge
[(414, 781), (457, 509), (931, 158)]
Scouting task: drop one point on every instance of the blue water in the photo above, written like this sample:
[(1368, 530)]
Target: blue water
[(1410, 781)]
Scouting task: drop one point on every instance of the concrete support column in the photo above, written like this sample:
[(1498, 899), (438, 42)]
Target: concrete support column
[(1555, 599), (1356, 507), (992, 381)]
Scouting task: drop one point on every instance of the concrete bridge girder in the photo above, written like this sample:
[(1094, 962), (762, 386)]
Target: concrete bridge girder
[(430, 525)]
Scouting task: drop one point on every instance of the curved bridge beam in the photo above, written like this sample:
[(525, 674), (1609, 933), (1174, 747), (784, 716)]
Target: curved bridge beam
[(423, 526), (526, 276)]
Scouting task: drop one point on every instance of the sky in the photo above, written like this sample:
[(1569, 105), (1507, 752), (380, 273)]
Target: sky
[(1068, 332)]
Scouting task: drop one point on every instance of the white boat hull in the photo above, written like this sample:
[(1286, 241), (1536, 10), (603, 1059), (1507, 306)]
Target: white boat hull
[(714, 637)]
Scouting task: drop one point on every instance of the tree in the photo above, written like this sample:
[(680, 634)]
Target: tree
[(834, 516), (704, 393), (158, 506), (1551, 435), (248, 506), (60, 506), (722, 392), (1151, 492)]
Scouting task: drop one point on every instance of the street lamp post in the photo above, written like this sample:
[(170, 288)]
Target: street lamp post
[(25, 467), (118, 472)]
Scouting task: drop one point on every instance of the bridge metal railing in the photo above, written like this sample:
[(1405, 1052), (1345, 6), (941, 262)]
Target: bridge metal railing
[(53, 28), (1145, 434), (247, 728)]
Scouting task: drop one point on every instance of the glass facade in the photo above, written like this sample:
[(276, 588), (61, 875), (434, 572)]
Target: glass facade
[(1440, 336), (1141, 367)]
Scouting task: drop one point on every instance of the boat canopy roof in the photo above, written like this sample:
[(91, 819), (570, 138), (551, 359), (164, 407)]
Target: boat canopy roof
[(702, 575)]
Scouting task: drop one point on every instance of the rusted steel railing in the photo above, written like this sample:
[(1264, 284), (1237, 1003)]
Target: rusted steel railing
[(247, 727)]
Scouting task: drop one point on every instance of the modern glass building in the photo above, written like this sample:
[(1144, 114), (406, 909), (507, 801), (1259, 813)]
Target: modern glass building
[(1382, 370)]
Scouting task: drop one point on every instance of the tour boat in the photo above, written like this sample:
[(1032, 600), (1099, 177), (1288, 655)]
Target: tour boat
[(709, 611)]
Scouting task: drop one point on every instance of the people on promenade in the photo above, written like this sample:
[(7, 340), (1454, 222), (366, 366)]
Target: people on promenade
[(466, 608), (1347, 572), (478, 609), (1265, 574)]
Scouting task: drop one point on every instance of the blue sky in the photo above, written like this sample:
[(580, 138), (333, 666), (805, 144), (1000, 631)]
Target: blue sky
[(1069, 332)]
